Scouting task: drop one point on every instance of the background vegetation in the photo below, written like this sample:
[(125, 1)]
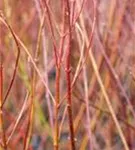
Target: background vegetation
[(67, 74)]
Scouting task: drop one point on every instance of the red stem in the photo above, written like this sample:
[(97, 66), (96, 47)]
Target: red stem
[(1, 111), (68, 78), (17, 59)]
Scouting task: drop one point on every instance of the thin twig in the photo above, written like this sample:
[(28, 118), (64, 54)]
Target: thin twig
[(68, 78)]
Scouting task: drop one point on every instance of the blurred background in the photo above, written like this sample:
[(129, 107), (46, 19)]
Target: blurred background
[(102, 62)]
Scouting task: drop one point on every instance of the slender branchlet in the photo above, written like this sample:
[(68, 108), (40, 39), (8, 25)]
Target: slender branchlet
[(2, 130), (68, 77)]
